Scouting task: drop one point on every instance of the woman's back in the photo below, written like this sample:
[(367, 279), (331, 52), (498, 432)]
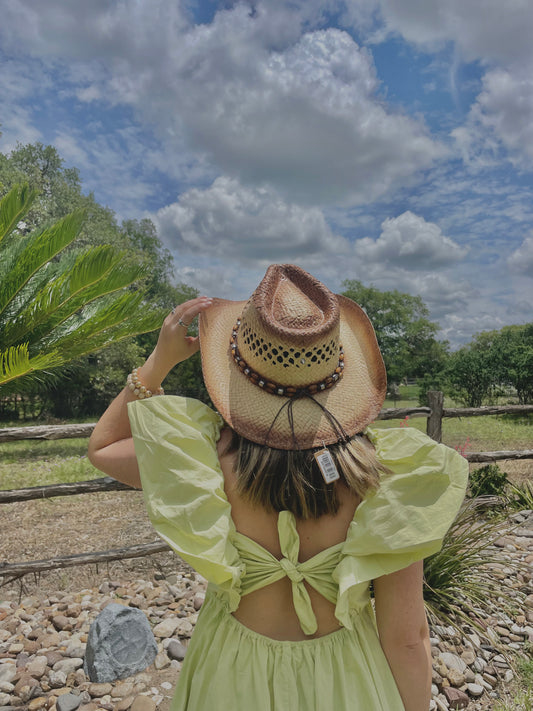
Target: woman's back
[(270, 610)]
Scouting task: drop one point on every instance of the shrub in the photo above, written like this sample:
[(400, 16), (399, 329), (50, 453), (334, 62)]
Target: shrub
[(487, 481), (458, 579)]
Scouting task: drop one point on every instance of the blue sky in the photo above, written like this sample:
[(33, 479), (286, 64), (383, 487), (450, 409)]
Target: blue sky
[(379, 140)]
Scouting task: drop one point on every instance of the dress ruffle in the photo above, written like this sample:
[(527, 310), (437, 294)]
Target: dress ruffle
[(406, 519), (175, 443)]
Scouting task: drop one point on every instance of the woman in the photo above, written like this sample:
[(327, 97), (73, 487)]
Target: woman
[(288, 503)]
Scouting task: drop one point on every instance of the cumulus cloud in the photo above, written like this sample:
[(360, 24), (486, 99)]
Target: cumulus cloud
[(502, 117), (480, 28), (410, 242), (299, 113), (244, 224), (521, 260)]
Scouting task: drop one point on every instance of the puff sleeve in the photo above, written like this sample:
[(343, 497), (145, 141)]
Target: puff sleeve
[(175, 444), (406, 519)]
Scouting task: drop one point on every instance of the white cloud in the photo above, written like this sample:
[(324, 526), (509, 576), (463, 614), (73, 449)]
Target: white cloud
[(299, 113), (240, 224), (502, 117), (480, 28), (521, 260), (409, 241)]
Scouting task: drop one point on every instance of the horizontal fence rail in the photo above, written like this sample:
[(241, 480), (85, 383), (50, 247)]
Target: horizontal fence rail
[(12, 571)]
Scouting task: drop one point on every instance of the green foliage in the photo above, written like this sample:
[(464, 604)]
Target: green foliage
[(471, 374), (457, 579), (510, 352), (405, 334), (487, 481), (58, 302), (521, 496)]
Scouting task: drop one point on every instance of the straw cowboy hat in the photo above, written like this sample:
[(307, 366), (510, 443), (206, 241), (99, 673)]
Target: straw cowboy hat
[(295, 366)]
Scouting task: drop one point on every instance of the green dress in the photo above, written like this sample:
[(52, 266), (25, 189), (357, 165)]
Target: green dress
[(229, 666)]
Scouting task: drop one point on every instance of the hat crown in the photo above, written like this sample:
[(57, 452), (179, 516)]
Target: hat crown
[(289, 329)]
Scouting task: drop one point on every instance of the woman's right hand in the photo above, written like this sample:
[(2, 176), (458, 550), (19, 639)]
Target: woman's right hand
[(174, 345)]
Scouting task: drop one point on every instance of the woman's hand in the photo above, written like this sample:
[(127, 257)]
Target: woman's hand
[(173, 345), (111, 446)]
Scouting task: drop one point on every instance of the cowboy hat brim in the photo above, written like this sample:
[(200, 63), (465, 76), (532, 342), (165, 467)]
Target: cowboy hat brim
[(355, 400)]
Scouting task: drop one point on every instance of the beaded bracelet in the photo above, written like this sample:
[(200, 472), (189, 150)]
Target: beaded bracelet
[(137, 388)]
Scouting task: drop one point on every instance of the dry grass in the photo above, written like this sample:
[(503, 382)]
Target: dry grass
[(36, 530)]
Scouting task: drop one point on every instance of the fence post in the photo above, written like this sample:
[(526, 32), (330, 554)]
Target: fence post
[(434, 424)]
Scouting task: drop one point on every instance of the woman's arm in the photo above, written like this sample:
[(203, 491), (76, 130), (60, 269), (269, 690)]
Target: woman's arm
[(404, 634), (111, 446)]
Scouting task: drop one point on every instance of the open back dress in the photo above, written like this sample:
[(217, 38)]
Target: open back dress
[(228, 665)]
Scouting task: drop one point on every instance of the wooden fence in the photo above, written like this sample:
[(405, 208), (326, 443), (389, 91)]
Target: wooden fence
[(434, 413)]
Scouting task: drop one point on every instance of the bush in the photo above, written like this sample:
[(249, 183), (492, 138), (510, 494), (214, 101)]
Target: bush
[(487, 481)]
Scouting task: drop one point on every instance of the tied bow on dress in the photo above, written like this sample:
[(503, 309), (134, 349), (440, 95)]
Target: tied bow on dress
[(262, 569)]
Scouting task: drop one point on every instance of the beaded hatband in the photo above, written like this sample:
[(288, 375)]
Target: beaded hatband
[(275, 388)]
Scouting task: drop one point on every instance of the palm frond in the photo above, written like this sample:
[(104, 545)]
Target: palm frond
[(39, 249), (15, 363), (13, 207), (94, 274), (116, 316)]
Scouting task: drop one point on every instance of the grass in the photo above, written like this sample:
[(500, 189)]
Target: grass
[(520, 696), (38, 463)]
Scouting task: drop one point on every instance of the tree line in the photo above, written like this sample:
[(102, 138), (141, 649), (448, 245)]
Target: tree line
[(82, 297)]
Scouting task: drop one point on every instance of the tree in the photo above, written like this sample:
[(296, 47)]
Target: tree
[(471, 374), (58, 193), (511, 354), (58, 304), (405, 334)]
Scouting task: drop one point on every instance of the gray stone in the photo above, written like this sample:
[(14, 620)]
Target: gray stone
[(67, 702), (120, 644), (453, 661), (176, 650), (474, 689), (8, 671)]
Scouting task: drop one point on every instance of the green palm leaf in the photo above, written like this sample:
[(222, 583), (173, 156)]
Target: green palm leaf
[(15, 363), (39, 250), (14, 206), (57, 304)]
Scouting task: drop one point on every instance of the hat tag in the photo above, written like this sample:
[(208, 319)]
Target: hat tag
[(326, 464)]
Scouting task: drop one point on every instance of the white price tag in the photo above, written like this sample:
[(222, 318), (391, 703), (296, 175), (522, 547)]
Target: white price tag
[(327, 466)]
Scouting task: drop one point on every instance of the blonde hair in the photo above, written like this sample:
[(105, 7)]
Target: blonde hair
[(290, 480)]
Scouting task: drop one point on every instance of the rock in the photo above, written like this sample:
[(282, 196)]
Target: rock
[(37, 667), (166, 628), (61, 622), (39, 703), (123, 704), (5, 700), (161, 661), (69, 665), (456, 699), (198, 600), (120, 644), (57, 679), (455, 677), (143, 703), (452, 661), (8, 671), (468, 656), (97, 690), (124, 689), (68, 702), (474, 689), (176, 650)]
